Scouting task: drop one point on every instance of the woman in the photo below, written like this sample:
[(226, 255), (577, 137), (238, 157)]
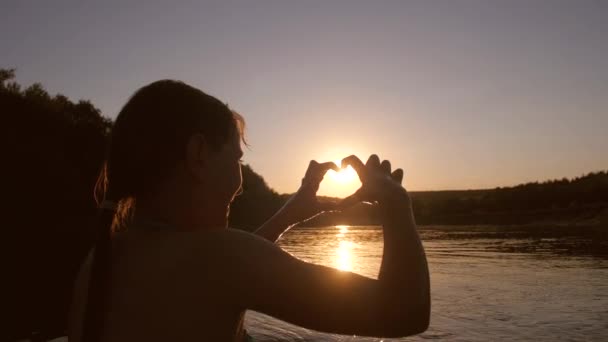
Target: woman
[(165, 268)]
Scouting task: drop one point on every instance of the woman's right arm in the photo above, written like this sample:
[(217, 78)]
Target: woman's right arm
[(265, 278), (404, 271)]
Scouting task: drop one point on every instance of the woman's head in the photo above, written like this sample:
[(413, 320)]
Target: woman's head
[(168, 125), (170, 138)]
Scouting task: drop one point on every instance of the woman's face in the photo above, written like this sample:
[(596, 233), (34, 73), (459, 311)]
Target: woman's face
[(225, 170)]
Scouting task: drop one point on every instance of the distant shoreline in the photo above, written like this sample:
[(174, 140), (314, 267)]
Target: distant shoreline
[(569, 240), (590, 216)]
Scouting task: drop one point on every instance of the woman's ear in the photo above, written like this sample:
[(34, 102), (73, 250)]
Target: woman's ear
[(197, 155)]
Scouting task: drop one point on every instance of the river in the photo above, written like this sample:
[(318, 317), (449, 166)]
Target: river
[(488, 283)]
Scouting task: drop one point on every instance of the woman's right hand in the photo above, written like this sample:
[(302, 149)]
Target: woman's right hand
[(378, 183)]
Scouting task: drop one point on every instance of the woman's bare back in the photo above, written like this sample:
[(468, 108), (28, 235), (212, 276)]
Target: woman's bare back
[(159, 293)]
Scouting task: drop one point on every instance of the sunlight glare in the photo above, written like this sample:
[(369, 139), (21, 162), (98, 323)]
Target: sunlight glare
[(347, 175), (339, 184), (343, 230), (344, 256)]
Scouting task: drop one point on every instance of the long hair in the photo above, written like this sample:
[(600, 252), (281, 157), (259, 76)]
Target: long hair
[(148, 139)]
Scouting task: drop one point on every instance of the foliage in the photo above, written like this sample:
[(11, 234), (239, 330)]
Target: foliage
[(558, 200), (52, 150), (581, 199), (256, 204)]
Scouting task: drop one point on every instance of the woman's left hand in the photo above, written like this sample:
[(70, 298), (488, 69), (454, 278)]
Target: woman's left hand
[(304, 204)]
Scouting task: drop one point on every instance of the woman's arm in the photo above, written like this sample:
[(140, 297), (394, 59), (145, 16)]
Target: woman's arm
[(264, 278), (272, 229), (303, 205), (404, 271)]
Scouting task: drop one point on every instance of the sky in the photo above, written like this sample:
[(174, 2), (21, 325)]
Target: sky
[(460, 94)]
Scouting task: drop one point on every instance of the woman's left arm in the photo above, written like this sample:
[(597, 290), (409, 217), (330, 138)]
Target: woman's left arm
[(303, 205), (272, 229)]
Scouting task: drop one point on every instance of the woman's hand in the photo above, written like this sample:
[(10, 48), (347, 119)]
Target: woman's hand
[(378, 183), (304, 204), (301, 206)]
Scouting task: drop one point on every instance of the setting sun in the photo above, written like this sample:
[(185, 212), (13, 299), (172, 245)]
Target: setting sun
[(346, 175), (340, 184)]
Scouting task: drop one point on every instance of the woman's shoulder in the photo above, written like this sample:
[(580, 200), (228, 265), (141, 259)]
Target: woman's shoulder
[(223, 250), (233, 250), (234, 240)]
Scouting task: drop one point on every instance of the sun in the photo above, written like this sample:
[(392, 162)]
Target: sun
[(340, 183), (346, 175)]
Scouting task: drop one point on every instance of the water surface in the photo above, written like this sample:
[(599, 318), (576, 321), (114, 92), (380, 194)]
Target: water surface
[(487, 283)]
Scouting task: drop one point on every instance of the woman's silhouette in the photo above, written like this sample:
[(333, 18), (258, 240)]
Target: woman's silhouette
[(166, 268)]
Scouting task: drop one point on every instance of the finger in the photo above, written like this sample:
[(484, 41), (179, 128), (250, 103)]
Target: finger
[(316, 172), (356, 164), (324, 167), (348, 202), (311, 168), (329, 206), (351, 200), (345, 207), (313, 176), (373, 161), (397, 175), (385, 166)]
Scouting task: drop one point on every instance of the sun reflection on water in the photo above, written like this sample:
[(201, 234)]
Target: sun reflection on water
[(344, 253), (343, 230)]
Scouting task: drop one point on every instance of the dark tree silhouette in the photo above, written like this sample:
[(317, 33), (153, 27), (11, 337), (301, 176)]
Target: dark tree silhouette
[(582, 199), (52, 150), (256, 204)]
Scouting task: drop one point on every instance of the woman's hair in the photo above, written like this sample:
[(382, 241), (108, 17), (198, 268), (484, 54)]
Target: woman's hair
[(148, 139)]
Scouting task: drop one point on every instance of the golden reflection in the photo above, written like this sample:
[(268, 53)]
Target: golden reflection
[(344, 260), (343, 230), (344, 257)]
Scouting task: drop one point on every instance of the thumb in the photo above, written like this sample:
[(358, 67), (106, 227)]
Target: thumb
[(329, 206), (351, 200)]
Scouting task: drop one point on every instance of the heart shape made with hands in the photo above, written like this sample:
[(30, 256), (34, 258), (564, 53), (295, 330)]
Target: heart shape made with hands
[(332, 180), (306, 203), (344, 175), (347, 173)]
